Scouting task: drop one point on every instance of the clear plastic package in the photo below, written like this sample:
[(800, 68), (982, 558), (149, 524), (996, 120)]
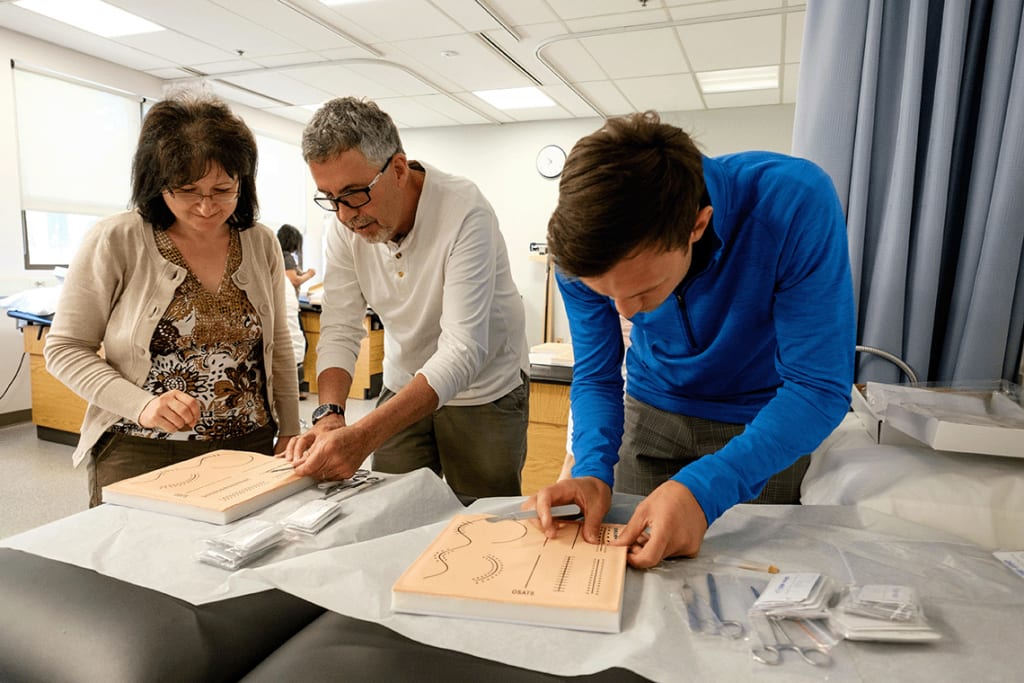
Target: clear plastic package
[(312, 516), (248, 540)]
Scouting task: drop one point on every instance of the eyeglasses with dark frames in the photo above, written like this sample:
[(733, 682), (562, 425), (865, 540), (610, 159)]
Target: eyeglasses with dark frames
[(197, 197), (353, 199)]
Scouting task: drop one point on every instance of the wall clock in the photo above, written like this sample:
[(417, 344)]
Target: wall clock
[(550, 161)]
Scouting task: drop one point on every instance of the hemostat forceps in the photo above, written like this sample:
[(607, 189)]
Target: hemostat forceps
[(771, 653)]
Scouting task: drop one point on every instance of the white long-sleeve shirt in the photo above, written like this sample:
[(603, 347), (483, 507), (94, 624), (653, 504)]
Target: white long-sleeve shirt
[(445, 295)]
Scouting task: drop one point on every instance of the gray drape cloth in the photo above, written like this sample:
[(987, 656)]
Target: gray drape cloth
[(916, 109)]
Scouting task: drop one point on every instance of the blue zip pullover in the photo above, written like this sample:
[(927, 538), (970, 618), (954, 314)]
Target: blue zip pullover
[(761, 332)]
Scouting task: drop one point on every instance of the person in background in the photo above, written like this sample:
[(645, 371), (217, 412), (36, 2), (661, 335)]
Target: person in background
[(735, 274), (184, 294), (291, 246), (423, 249)]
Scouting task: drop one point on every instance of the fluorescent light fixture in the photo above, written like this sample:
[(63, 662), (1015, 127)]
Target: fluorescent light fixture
[(335, 3), (94, 16), (515, 98), (737, 80)]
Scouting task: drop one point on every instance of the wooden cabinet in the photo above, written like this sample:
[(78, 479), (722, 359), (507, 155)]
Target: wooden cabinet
[(546, 434), (54, 406), (368, 376)]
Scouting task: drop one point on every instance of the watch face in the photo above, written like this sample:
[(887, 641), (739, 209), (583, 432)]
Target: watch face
[(326, 409), (550, 161)]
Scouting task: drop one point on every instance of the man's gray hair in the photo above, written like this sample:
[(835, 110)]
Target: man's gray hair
[(346, 123)]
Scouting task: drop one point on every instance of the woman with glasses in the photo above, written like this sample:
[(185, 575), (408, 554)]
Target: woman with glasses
[(172, 320)]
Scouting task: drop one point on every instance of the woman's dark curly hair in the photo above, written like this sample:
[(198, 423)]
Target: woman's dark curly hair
[(181, 138)]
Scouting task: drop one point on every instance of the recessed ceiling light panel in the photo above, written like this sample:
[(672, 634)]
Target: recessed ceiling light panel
[(738, 80), (515, 98), (94, 16)]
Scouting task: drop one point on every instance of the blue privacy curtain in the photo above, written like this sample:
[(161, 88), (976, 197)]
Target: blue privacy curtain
[(916, 110)]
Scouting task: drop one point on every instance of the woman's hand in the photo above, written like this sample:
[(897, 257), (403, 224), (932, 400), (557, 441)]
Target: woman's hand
[(173, 411)]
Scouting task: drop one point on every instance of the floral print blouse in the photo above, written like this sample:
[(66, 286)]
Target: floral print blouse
[(208, 345)]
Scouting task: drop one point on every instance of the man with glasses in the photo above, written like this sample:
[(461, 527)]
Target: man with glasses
[(735, 273), (422, 248)]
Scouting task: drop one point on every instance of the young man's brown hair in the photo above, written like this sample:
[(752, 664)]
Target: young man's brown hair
[(634, 183)]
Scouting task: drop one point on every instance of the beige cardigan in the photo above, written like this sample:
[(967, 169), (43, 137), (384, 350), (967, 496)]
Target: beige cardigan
[(117, 287)]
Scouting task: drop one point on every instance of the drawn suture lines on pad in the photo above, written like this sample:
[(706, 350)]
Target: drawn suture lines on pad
[(254, 486), (562, 580), (495, 569), (464, 530), (532, 570), (189, 478), (608, 534), (596, 574), (576, 537), (193, 470), (206, 484)]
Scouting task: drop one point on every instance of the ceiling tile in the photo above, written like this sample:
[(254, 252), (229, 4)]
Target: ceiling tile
[(453, 108), (408, 113), (212, 24), (661, 93), (289, 24), (794, 36), (338, 81), (698, 9), (176, 47), (570, 57), (474, 67), (613, 21), (575, 9), (733, 44), (637, 53), (391, 20), (606, 96), (523, 12), (469, 15), (294, 113), (226, 66), (282, 88), (393, 77)]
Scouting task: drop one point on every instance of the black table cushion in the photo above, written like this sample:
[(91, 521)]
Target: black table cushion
[(60, 622)]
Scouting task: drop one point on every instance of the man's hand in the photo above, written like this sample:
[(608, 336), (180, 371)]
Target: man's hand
[(331, 454), (298, 445), (590, 493), (173, 411), (667, 523)]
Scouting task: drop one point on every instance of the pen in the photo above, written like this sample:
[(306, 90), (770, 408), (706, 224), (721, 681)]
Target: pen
[(745, 564)]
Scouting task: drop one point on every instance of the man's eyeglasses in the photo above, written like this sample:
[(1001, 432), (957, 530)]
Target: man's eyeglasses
[(198, 197), (353, 199)]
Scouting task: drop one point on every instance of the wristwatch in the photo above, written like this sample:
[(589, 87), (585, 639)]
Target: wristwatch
[(325, 409)]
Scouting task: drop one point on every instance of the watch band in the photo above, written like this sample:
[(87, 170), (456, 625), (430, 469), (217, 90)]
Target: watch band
[(325, 409)]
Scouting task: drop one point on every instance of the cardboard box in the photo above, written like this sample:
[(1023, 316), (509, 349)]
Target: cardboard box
[(874, 421), (985, 418)]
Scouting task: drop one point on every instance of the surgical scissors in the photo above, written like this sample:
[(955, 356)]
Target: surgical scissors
[(772, 653), (726, 627), (359, 478)]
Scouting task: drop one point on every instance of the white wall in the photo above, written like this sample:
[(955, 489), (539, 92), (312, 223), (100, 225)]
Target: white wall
[(499, 158)]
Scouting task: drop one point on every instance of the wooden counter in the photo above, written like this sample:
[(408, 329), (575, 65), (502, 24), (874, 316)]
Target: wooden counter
[(546, 434), (368, 377), (57, 412)]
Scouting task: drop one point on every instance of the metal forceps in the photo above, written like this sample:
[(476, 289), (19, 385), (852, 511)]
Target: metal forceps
[(359, 478), (772, 653), (726, 627)]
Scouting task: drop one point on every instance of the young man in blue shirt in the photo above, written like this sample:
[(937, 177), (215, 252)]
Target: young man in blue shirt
[(735, 273)]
